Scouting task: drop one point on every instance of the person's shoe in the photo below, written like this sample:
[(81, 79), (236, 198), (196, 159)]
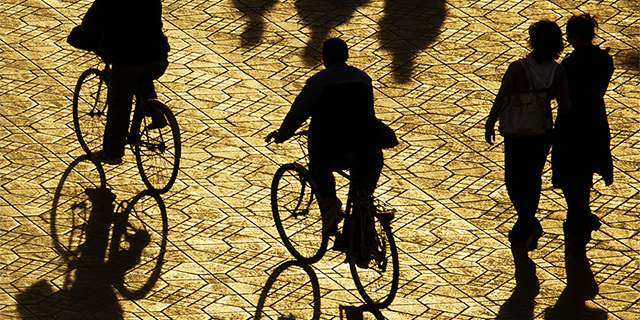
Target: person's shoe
[(331, 219), (530, 243), (102, 158)]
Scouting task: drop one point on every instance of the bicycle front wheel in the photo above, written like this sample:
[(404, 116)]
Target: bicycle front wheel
[(138, 245), (373, 258), (297, 214), (157, 148), (90, 110)]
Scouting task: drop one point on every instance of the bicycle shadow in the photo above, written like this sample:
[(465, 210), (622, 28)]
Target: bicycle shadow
[(407, 27), (83, 225), (306, 303), (291, 294), (581, 287)]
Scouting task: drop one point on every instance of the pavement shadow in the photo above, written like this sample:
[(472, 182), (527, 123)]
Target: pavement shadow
[(581, 287), (406, 28), (254, 11), (521, 303), (358, 313), (291, 293), (103, 248)]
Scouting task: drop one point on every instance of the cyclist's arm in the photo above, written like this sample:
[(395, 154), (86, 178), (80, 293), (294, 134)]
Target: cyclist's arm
[(300, 109), (93, 24)]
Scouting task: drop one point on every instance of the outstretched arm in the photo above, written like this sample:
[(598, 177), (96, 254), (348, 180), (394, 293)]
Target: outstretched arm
[(299, 113)]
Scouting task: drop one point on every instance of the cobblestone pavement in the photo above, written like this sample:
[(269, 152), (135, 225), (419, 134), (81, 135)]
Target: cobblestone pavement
[(235, 67)]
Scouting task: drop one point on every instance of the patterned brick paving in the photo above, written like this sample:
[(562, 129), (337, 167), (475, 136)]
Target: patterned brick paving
[(235, 67)]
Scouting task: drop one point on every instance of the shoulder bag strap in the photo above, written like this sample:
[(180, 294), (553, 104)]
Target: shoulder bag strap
[(527, 70)]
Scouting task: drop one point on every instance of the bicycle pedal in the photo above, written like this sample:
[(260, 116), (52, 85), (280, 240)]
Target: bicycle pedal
[(386, 217)]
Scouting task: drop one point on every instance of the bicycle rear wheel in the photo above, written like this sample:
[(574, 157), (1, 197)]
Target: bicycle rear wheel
[(157, 150), (373, 257), (90, 109), (297, 214), (72, 207)]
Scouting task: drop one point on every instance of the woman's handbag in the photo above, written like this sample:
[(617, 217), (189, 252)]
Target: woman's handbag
[(525, 114)]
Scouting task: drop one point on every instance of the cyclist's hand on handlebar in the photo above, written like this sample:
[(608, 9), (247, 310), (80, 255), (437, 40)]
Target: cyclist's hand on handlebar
[(275, 136)]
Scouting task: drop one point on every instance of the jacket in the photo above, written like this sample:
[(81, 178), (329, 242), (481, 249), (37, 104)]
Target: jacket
[(127, 32), (582, 137), (339, 101)]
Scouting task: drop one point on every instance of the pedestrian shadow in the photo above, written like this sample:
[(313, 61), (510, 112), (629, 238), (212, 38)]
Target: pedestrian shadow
[(254, 11), (581, 287), (101, 247), (521, 303), (407, 27)]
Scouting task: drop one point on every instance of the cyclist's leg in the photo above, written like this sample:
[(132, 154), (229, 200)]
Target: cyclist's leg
[(147, 90), (119, 97), (321, 168), (365, 168)]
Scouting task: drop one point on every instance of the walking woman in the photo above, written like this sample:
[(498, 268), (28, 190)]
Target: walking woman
[(581, 146), (525, 156)]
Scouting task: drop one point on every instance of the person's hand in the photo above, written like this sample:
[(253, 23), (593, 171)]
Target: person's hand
[(489, 134), (275, 136)]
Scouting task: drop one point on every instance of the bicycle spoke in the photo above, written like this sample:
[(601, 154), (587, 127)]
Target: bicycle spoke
[(158, 150)]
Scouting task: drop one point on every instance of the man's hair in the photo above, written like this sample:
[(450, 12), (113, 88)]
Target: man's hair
[(584, 25), (545, 39), (335, 50)]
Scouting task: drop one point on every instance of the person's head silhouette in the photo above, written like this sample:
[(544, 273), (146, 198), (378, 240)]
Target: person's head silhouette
[(581, 29), (545, 39), (334, 51)]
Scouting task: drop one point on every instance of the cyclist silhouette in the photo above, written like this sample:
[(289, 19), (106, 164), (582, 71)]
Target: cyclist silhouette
[(128, 35), (344, 132)]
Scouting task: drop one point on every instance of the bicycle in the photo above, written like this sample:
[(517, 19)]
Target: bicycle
[(366, 236), (157, 150)]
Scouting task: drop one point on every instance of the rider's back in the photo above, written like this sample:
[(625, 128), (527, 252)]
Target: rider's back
[(127, 32), (343, 117)]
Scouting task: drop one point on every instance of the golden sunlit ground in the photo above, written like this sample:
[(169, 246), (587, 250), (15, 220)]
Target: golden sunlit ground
[(235, 67)]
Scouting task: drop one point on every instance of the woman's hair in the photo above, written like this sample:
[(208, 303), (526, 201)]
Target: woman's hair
[(584, 25), (545, 39), (335, 50)]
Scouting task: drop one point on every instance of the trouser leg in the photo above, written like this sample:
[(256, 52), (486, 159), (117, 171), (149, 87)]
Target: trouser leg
[(577, 195), (524, 163), (124, 82), (364, 168), (122, 87)]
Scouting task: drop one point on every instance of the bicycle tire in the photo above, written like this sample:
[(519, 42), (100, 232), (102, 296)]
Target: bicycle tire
[(71, 207), (138, 245), (90, 109), (376, 284), (157, 150), (297, 214)]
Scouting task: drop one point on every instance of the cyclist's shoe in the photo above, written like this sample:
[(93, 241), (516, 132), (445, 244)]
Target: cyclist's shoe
[(158, 120), (331, 219), (102, 158), (362, 263)]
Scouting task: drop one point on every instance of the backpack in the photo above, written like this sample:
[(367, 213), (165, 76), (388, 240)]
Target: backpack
[(524, 114)]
